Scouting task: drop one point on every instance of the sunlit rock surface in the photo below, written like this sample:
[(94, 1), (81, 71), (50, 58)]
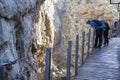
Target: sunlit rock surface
[(49, 29)]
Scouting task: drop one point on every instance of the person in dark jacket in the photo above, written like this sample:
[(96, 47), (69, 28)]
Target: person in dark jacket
[(106, 29), (96, 24)]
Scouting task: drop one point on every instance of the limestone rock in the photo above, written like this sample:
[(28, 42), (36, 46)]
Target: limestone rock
[(49, 29), (16, 38), (11, 8)]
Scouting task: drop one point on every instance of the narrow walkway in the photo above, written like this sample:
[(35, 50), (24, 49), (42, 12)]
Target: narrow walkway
[(103, 64)]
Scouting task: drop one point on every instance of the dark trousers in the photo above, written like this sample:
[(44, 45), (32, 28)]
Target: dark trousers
[(106, 40), (98, 38)]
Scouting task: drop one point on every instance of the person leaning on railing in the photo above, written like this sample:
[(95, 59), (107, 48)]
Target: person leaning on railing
[(105, 28), (96, 24)]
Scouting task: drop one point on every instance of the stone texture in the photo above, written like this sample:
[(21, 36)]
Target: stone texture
[(8, 51), (17, 38), (49, 29), (11, 8)]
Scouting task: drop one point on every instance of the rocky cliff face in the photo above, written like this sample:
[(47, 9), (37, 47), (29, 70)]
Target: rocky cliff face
[(17, 24), (49, 29), (28, 27)]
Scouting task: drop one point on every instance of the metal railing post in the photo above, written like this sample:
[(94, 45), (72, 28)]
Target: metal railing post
[(76, 56), (48, 64), (89, 33), (68, 60), (93, 38), (83, 39)]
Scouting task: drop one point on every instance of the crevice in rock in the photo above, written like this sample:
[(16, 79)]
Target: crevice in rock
[(3, 46)]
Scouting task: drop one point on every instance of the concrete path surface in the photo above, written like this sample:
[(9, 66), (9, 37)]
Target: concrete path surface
[(102, 64)]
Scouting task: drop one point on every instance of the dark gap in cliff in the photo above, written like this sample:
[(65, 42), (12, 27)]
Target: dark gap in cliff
[(48, 29), (33, 48), (3, 46), (19, 43)]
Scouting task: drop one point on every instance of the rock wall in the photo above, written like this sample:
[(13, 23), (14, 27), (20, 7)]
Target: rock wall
[(26, 28), (49, 29), (17, 25)]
